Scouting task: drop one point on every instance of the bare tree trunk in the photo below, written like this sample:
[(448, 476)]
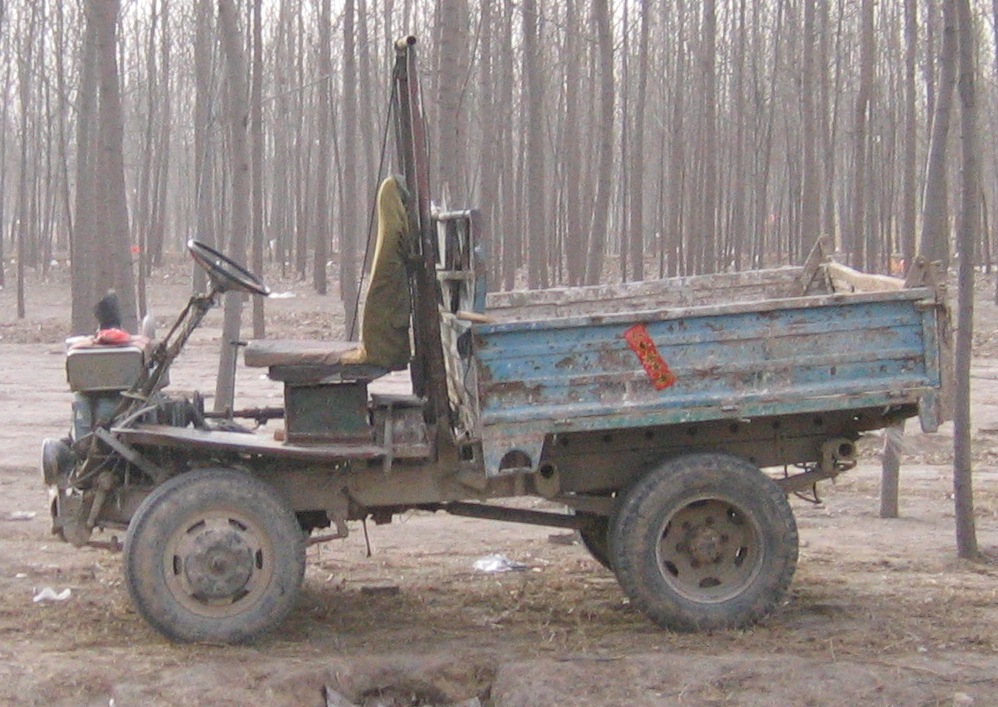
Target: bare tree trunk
[(367, 125), (763, 156), (256, 126), (114, 265), (489, 122), (929, 66), (238, 112), (83, 251), (622, 231), (810, 197), (22, 219), (909, 204), (141, 205), (934, 242), (828, 112), (677, 151), (604, 181), (348, 127), (322, 225), (994, 23), (740, 187), (967, 236), (536, 186), (302, 152), (708, 219), (637, 218), (281, 194), (161, 175), (511, 235), (204, 193), (161, 181), (575, 243), (3, 149), (855, 240), (890, 470), (453, 18)]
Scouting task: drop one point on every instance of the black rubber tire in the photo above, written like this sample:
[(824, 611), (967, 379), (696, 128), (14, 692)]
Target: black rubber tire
[(596, 539), (214, 555), (728, 559)]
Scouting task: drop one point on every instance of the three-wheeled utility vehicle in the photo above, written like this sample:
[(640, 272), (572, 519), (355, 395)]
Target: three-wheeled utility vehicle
[(646, 410)]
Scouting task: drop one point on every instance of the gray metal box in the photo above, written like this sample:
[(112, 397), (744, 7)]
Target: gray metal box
[(103, 367)]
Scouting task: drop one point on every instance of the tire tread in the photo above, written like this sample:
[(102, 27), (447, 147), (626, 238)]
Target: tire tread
[(628, 547)]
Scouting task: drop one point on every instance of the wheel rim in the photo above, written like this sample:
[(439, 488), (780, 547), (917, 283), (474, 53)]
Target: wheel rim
[(218, 564), (709, 550)]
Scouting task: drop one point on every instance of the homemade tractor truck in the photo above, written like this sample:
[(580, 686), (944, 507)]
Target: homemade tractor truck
[(646, 411)]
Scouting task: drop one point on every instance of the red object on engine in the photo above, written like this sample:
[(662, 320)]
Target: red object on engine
[(113, 337)]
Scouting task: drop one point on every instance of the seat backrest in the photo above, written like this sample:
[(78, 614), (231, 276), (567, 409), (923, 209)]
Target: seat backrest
[(388, 307)]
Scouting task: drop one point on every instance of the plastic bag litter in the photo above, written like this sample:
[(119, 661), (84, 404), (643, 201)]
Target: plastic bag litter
[(21, 515), (49, 594), (498, 563)]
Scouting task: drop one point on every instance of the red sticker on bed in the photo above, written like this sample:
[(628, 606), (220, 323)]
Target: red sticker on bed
[(655, 366)]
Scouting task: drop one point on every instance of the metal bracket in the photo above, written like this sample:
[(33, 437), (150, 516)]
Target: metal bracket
[(836, 455), (597, 505), (337, 514), (156, 472)]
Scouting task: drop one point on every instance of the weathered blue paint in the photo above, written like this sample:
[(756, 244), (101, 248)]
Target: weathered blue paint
[(929, 413), (801, 355)]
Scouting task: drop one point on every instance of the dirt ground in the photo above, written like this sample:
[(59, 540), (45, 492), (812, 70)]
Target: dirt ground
[(880, 612)]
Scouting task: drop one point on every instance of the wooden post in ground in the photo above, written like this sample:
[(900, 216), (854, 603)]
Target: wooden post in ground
[(893, 440)]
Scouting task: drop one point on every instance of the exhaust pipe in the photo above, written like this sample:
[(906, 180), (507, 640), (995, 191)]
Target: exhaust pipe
[(838, 454)]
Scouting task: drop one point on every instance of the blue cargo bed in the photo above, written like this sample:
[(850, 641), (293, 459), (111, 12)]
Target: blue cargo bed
[(531, 378)]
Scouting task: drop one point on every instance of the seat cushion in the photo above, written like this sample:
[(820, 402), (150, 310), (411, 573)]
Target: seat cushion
[(265, 353), (309, 362)]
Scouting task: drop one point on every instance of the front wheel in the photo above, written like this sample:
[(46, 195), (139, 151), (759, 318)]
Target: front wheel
[(214, 555), (704, 541)]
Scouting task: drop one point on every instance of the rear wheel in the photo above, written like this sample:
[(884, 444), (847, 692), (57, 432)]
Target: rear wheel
[(704, 541), (214, 555)]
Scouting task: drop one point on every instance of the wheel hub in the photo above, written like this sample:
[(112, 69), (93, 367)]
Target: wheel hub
[(706, 545), (708, 551), (219, 565)]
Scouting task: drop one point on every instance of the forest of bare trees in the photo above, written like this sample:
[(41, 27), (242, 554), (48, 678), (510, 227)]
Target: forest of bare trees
[(601, 140)]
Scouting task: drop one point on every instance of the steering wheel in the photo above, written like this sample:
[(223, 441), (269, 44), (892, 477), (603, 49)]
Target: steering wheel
[(226, 275)]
